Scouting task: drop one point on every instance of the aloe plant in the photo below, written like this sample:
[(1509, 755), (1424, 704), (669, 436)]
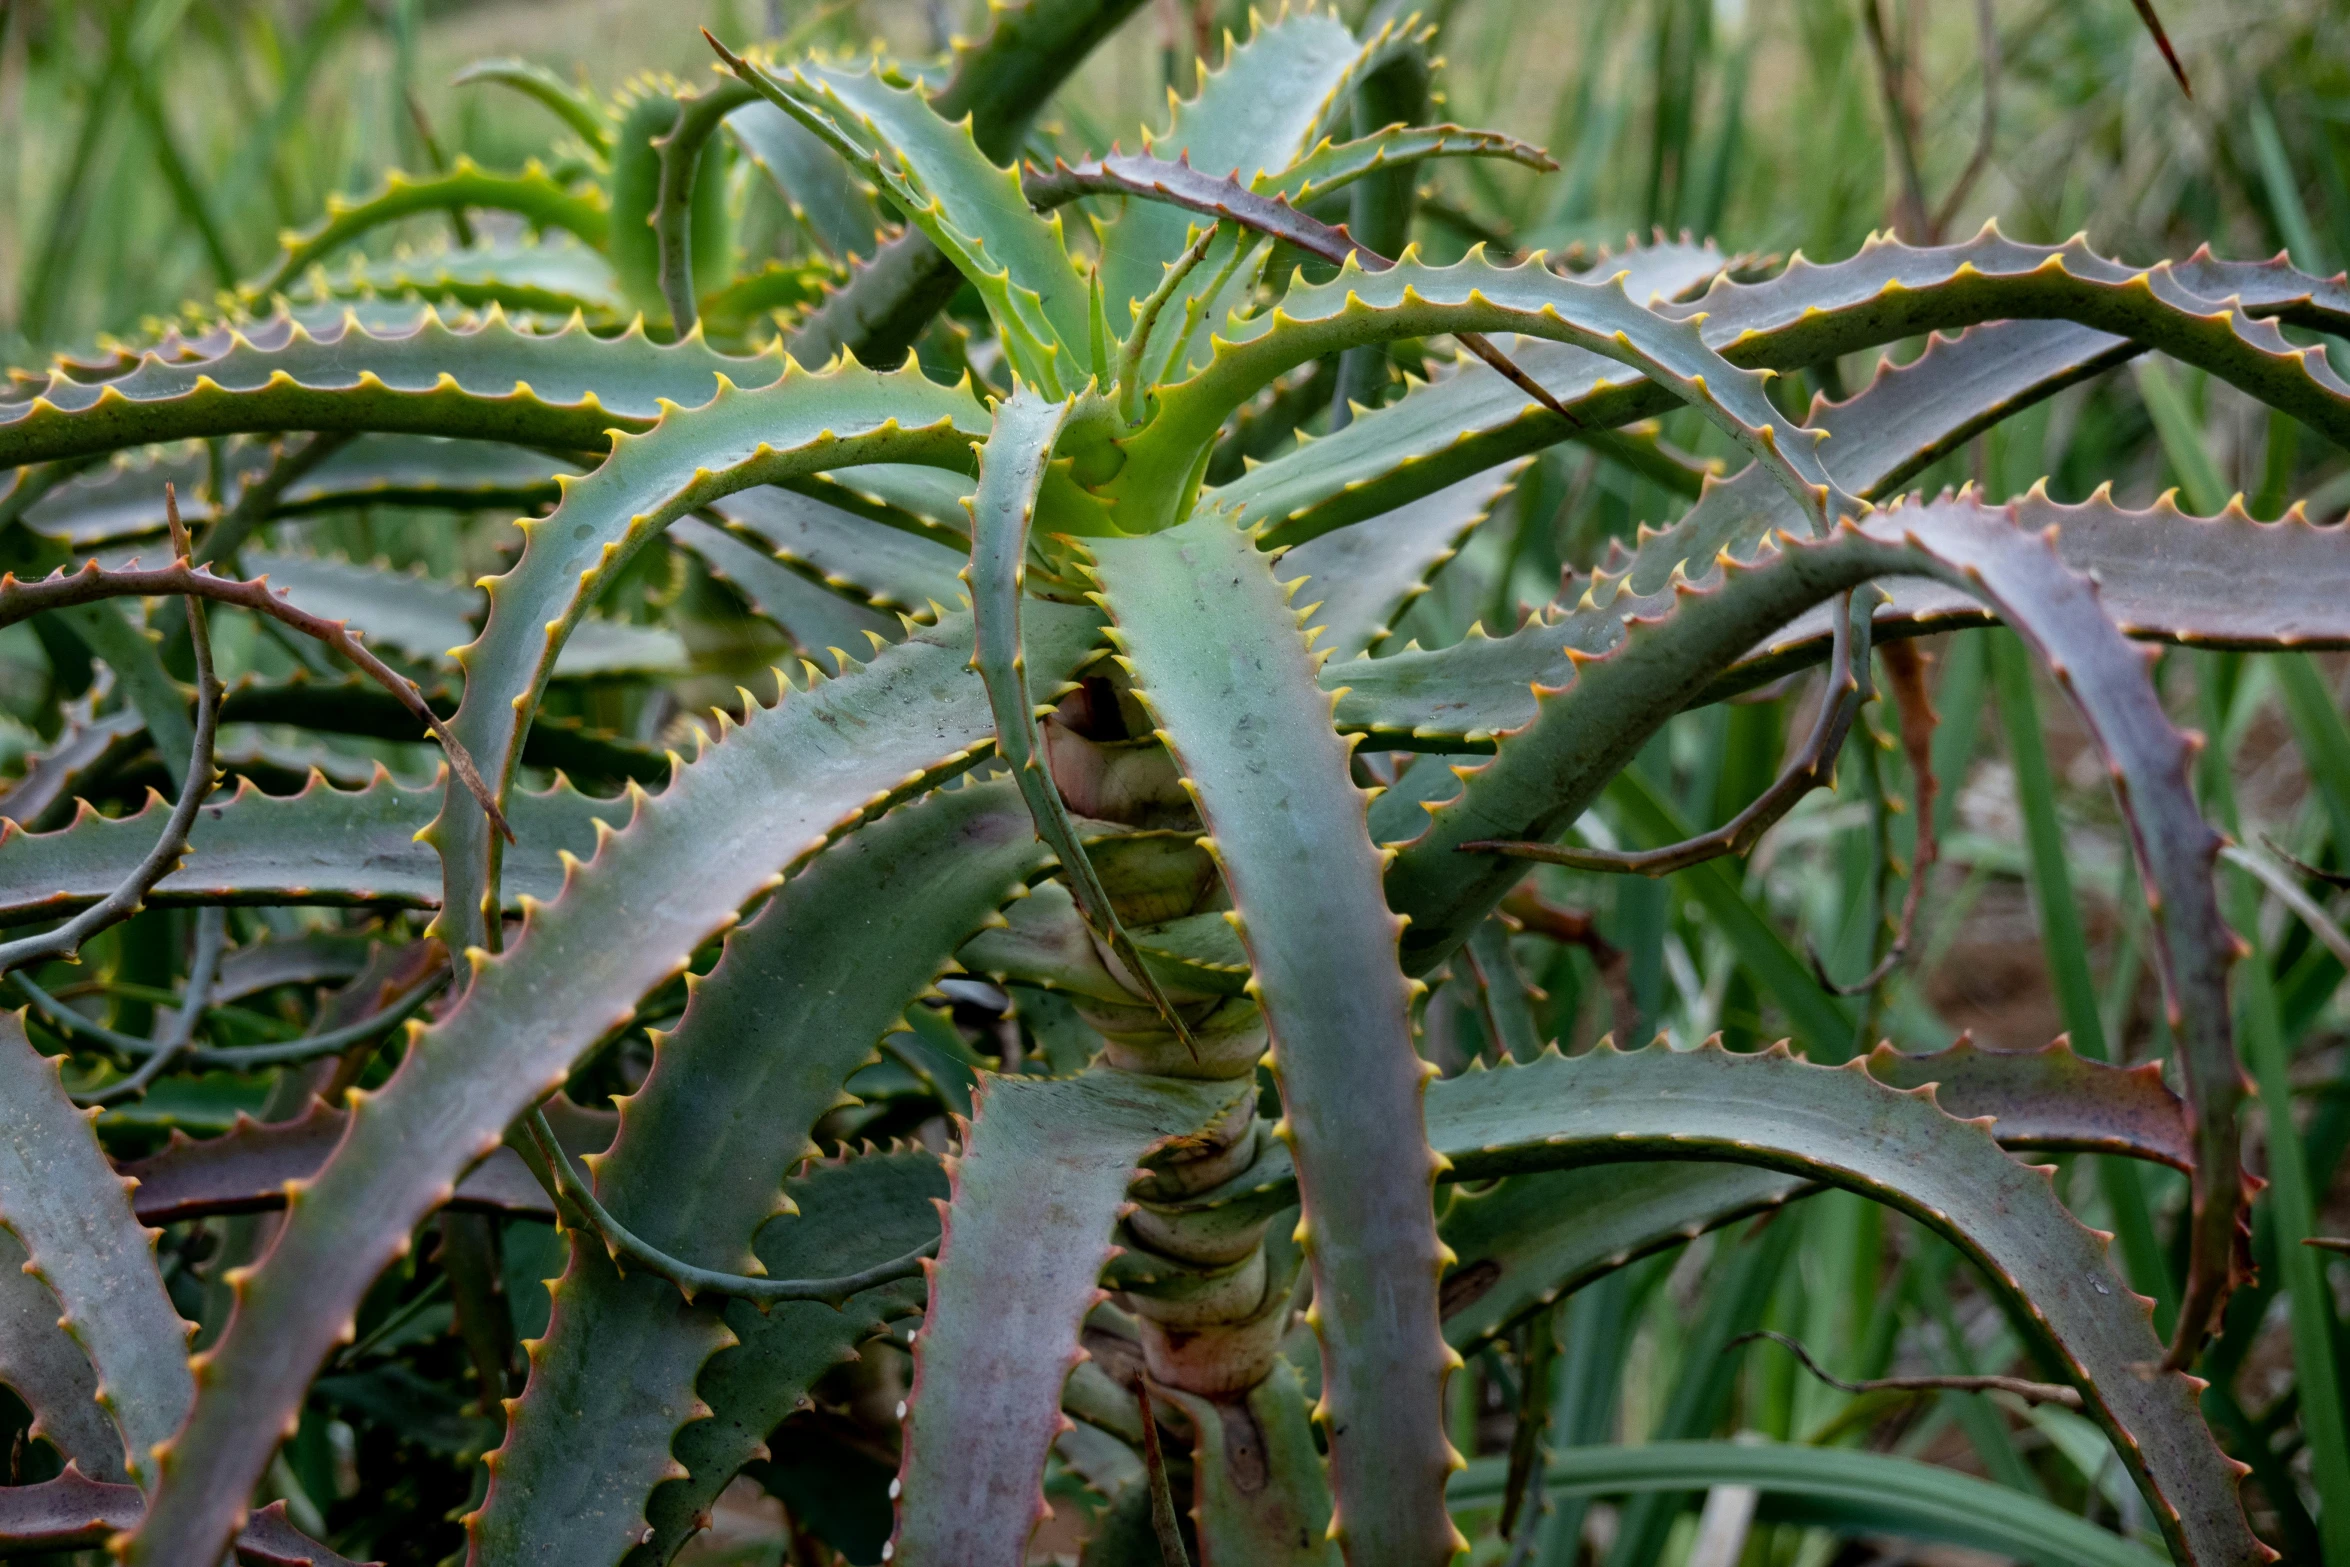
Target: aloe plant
[(1115, 725)]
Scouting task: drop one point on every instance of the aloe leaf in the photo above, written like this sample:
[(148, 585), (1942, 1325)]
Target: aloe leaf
[(1907, 417), (89, 749), (929, 503), (1284, 1517), (1257, 114), (532, 195), (570, 105), (1366, 576), (322, 846), (74, 1512), (2050, 1098), (819, 764), (488, 382), (859, 1211), (819, 192), (1330, 167), (812, 615), (42, 1364), (652, 110), (1473, 295), (1837, 1488), (1000, 82), (2162, 575), (539, 277), (356, 705), (430, 619), (698, 1167), (1840, 1126), (1204, 629), (1528, 1241), (72, 1216), (1440, 432), (1333, 165), (117, 634), (1004, 79), (1038, 1191), (1012, 469), (245, 1168), (1963, 544), (1885, 291), (860, 560), (775, 289), (963, 203), (124, 500), (803, 424)]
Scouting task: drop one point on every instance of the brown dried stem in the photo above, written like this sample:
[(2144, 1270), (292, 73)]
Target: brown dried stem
[(2021, 1387), (1814, 767), (19, 599), (172, 844), (1905, 670)]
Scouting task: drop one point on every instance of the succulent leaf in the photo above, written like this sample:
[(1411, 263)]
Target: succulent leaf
[(803, 424), (704, 1146), (625, 921), (71, 1215), (533, 195), (487, 381), (1037, 1191), (1207, 633)]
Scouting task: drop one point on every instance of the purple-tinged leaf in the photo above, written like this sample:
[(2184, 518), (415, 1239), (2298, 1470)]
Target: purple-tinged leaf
[(772, 793), (1038, 1192), (1209, 637), (72, 1215)]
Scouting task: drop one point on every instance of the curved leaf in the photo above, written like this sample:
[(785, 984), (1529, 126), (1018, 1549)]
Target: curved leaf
[(322, 846), (1368, 575), (698, 1167), (814, 767), (72, 1215), (1012, 469), (2162, 575), (1258, 113), (532, 195), (1414, 299), (73, 1512), (486, 382), (963, 203), (430, 619), (246, 1168), (1528, 1241), (860, 1211), (1038, 1191), (857, 559), (1838, 1125), (1888, 290), (813, 616), (2050, 1098), (524, 276), (839, 216), (1589, 727), (570, 105), (41, 1363), (803, 424), (651, 110), (1205, 631)]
